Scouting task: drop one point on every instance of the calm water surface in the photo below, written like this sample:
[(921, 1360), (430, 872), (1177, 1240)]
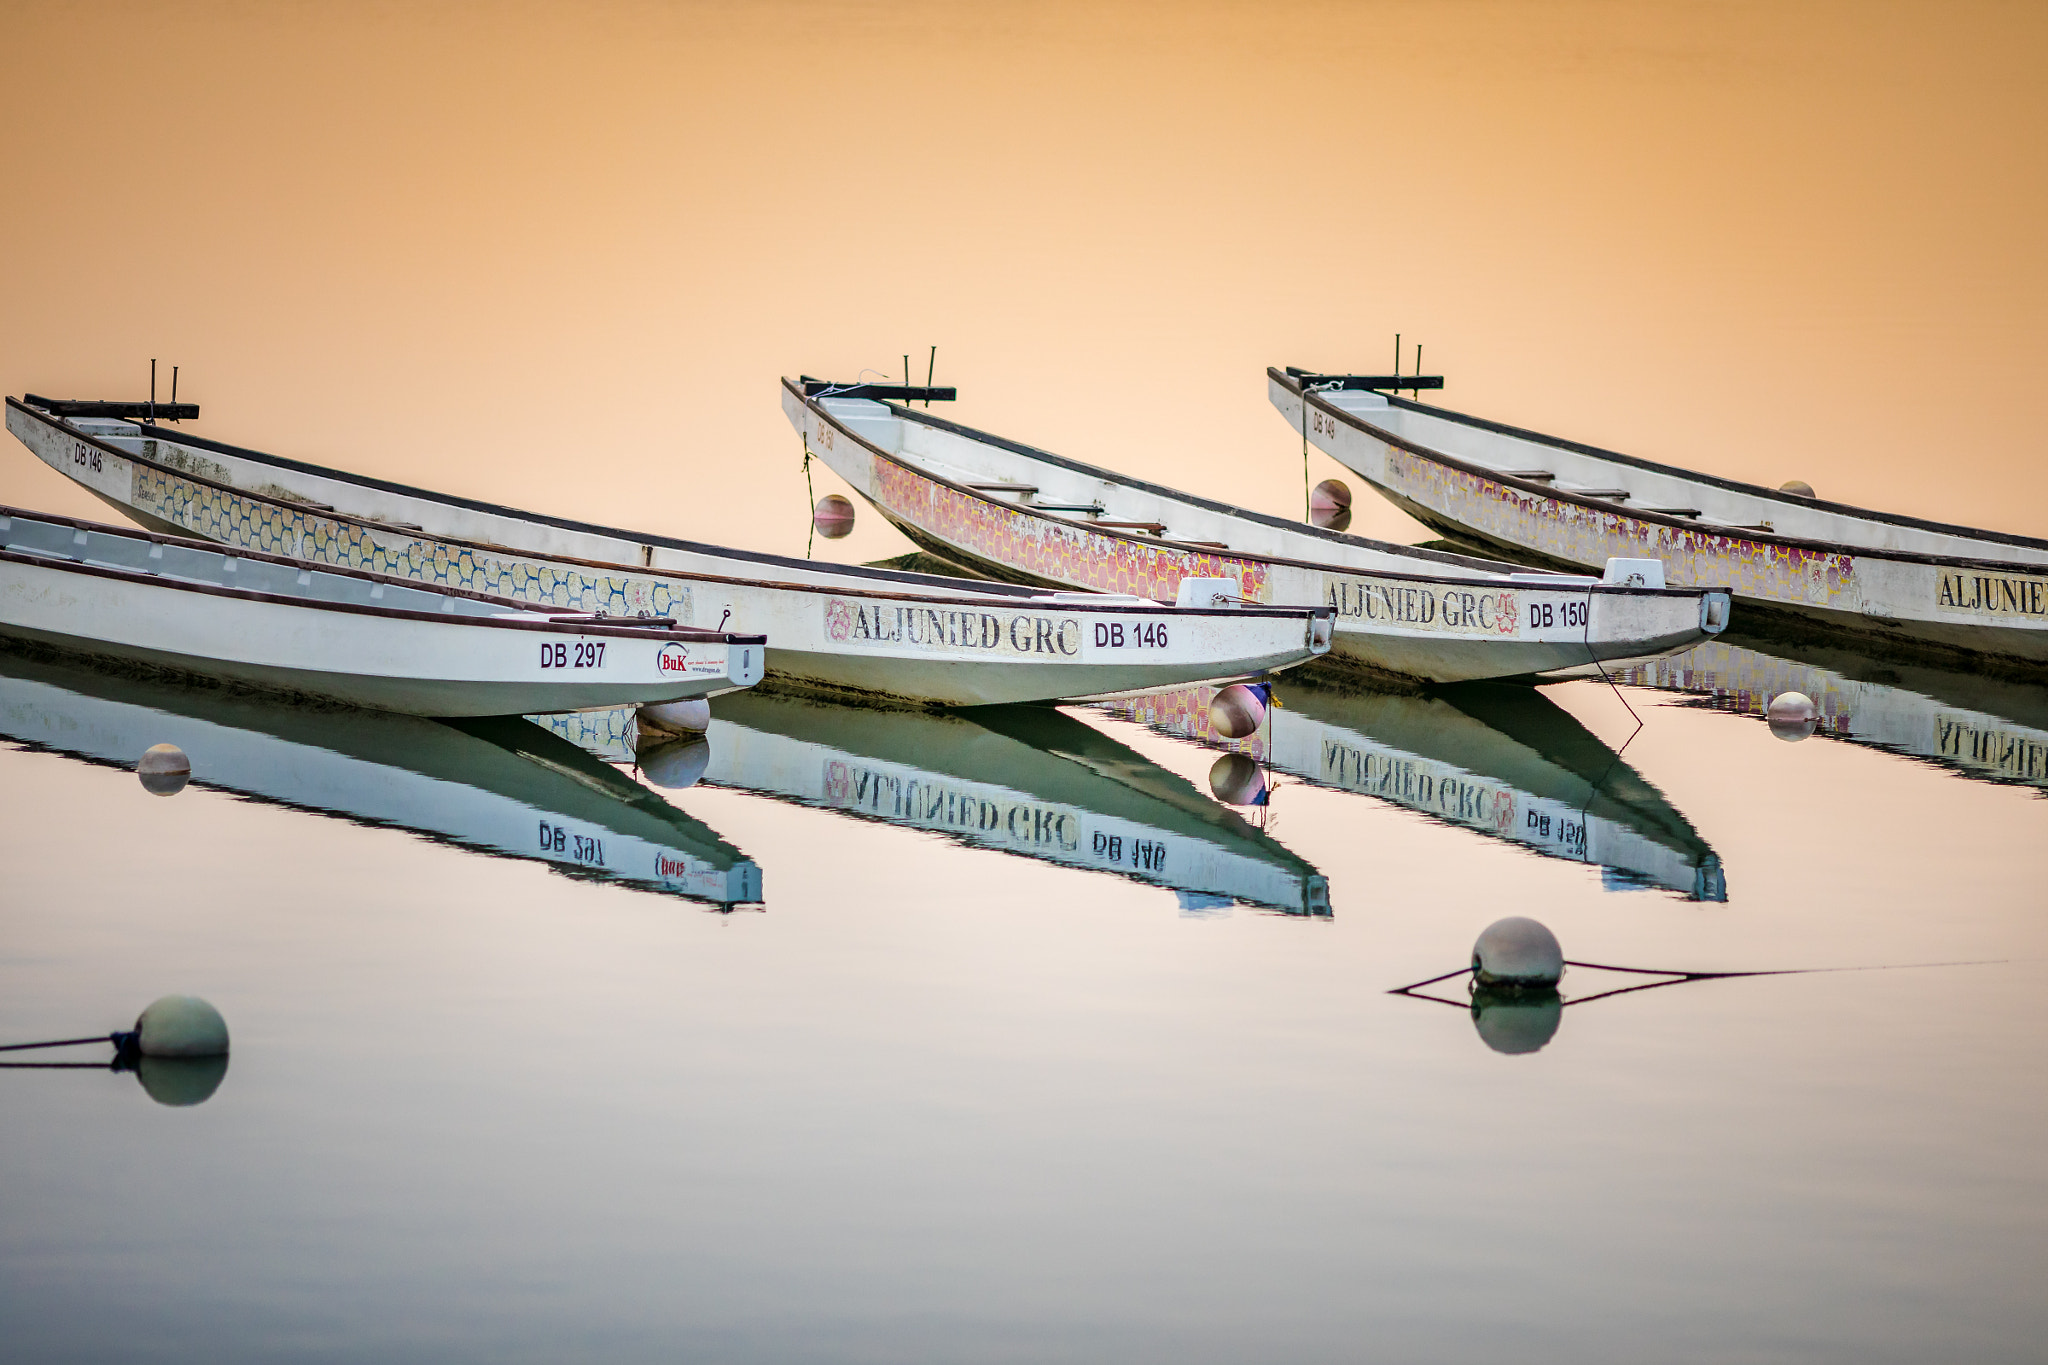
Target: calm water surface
[(854, 1035)]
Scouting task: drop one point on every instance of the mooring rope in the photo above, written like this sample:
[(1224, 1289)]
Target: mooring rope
[(811, 496), (113, 1038)]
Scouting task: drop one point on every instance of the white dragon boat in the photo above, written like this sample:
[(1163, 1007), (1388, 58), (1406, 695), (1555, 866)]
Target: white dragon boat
[(1026, 781), (501, 787), (1011, 511), (1502, 762), (1893, 581), (918, 638), (371, 640)]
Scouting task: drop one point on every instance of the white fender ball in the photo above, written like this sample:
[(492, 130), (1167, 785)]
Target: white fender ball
[(1798, 488), (833, 516), (1329, 505), (1517, 951), (692, 717), (1237, 711), (1792, 716), (181, 1026), (677, 764), (1237, 780), (163, 769)]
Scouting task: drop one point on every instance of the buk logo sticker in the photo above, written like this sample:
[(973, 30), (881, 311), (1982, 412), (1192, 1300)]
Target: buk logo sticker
[(672, 659)]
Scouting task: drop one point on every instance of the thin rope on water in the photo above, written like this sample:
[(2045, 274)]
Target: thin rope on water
[(1676, 977), (113, 1038), (1585, 811)]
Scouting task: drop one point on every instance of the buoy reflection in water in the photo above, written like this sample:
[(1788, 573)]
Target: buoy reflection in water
[(1516, 1019), (180, 1082), (1238, 781), (675, 764)]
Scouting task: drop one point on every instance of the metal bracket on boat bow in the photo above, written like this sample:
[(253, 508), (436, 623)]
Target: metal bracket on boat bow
[(1366, 382), (85, 407), (904, 393)]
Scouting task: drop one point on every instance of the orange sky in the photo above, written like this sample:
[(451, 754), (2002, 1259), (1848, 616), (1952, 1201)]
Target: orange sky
[(558, 255)]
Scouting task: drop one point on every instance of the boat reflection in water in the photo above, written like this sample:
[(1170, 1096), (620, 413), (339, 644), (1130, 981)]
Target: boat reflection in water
[(501, 786), (1024, 780), (1504, 761), (1979, 727)]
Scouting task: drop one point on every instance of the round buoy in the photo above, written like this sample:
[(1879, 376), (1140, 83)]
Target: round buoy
[(1329, 505), (1792, 716), (1516, 1021), (1517, 951), (181, 1026), (180, 1081), (1239, 710), (833, 516), (692, 717), (1798, 488), (163, 769), (677, 764), (1237, 780)]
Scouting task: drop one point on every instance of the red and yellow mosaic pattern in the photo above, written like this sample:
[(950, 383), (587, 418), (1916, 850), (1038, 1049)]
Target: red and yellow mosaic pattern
[(1049, 550), (1693, 556)]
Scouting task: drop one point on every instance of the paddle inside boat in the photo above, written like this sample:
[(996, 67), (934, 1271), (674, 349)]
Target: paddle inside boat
[(1012, 511), (1920, 586), (918, 638), (367, 639)]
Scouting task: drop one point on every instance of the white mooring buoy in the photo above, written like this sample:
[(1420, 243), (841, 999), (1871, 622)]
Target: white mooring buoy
[(163, 769), (692, 717), (1792, 716), (1329, 505), (1517, 951), (833, 516), (1238, 710), (181, 1026), (1798, 488), (1238, 780)]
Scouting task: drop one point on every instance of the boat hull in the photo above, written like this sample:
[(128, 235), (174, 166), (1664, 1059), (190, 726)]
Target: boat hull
[(1408, 626), (847, 632), (1936, 604), (140, 600)]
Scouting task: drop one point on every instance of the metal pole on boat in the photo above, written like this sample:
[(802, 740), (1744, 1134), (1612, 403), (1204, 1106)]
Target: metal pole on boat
[(152, 388), (174, 390), (1418, 368), (1397, 359), (931, 368)]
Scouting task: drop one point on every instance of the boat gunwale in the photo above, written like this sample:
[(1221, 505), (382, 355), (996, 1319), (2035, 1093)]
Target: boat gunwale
[(1012, 596), (1508, 570), (612, 625), (1673, 471), (156, 432)]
